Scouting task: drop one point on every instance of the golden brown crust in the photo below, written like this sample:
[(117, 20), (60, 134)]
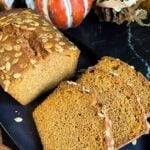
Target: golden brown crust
[(30, 26), (26, 39)]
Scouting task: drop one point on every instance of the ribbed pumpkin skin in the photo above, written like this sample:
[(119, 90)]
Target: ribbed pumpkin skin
[(65, 13)]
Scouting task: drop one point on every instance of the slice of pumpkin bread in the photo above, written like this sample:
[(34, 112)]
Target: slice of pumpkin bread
[(70, 118), (133, 78), (126, 113)]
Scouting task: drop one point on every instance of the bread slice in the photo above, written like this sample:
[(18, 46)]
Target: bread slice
[(34, 55), (133, 78), (123, 109), (71, 119)]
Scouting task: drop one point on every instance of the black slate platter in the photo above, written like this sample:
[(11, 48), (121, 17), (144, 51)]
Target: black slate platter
[(131, 43)]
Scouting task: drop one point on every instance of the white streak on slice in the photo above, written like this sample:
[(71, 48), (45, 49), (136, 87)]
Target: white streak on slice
[(45, 8), (9, 3), (68, 12), (30, 4), (85, 7)]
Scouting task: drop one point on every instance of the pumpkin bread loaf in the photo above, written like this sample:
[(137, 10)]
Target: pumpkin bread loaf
[(123, 109), (133, 78), (34, 55), (70, 118)]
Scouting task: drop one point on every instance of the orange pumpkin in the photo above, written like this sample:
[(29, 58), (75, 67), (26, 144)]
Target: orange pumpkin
[(64, 13)]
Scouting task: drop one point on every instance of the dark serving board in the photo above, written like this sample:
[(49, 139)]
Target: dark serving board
[(130, 43)]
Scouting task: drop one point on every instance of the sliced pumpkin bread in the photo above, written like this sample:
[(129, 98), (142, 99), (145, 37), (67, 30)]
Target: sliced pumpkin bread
[(135, 79), (123, 108), (70, 118)]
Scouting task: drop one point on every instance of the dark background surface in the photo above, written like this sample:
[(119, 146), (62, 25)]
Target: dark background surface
[(128, 42)]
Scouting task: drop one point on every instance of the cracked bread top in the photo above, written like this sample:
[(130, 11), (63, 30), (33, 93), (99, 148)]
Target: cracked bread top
[(25, 39)]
